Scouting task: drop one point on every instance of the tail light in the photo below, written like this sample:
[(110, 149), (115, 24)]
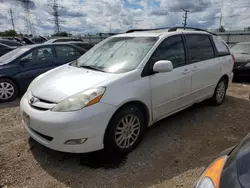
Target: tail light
[(233, 58)]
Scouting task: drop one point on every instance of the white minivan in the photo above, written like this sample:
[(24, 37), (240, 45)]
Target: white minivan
[(108, 97)]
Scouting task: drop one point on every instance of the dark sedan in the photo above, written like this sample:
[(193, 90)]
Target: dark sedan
[(241, 53), (8, 45), (20, 66), (230, 170)]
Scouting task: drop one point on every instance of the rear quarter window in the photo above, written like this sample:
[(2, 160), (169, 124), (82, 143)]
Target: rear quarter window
[(221, 46)]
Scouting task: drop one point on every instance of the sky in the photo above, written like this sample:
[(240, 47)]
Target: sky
[(94, 16)]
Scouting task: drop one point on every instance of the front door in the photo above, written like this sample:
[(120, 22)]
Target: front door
[(170, 91), (34, 63)]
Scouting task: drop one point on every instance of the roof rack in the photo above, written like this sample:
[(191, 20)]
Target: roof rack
[(189, 28), (134, 30), (170, 29)]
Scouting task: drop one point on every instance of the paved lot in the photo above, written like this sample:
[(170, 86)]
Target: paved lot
[(173, 153)]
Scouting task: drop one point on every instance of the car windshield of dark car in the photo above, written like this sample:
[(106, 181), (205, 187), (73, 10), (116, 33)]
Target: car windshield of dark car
[(241, 49), (13, 54), (118, 54)]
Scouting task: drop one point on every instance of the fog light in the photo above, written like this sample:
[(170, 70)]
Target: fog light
[(75, 141)]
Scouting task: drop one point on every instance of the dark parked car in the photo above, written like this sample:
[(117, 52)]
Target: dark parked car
[(230, 170), (241, 53), (62, 40), (86, 46), (8, 45), (20, 66)]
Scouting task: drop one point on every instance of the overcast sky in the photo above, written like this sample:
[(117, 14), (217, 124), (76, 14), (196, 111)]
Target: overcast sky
[(92, 16)]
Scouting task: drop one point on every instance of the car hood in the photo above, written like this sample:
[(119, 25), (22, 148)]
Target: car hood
[(242, 58), (62, 82), (236, 172)]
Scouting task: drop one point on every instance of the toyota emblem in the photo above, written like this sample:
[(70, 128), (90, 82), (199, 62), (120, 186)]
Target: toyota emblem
[(32, 100)]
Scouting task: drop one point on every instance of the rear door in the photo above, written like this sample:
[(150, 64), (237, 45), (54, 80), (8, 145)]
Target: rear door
[(34, 63), (204, 65), (66, 53)]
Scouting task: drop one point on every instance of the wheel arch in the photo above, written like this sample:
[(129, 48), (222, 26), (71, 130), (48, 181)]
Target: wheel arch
[(226, 77), (13, 80), (142, 106)]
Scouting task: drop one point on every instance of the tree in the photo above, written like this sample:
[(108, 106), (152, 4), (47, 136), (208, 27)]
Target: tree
[(222, 29), (9, 33), (62, 34)]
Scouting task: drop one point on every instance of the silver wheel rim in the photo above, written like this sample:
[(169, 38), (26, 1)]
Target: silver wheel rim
[(6, 90), (220, 92), (127, 131)]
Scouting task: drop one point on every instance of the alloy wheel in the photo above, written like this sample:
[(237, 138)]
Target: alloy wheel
[(127, 131), (6, 90)]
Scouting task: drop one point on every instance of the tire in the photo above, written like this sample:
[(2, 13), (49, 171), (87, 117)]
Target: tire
[(8, 90), (117, 130), (220, 92)]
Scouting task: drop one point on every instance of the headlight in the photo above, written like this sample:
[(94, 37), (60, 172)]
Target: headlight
[(211, 176), (80, 100), (247, 65)]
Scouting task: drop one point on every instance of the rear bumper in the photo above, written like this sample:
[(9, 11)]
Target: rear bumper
[(241, 72)]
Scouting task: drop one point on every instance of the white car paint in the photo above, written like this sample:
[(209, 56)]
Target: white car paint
[(163, 94)]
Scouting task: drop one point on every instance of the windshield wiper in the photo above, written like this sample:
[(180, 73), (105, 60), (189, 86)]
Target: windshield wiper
[(92, 68)]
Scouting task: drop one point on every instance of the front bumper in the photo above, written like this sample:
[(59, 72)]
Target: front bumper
[(53, 129)]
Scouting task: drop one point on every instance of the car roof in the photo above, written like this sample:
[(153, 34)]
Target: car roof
[(48, 44), (158, 33)]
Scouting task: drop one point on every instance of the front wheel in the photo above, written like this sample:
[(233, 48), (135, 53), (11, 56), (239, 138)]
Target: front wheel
[(220, 92), (124, 130)]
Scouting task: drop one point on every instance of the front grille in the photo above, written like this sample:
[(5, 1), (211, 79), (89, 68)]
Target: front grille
[(43, 136), (40, 104)]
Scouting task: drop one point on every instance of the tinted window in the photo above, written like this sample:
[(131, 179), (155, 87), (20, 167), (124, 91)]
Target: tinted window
[(200, 48), (39, 55), (66, 51), (84, 45), (171, 49), (37, 40), (10, 43), (14, 54), (221, 46)]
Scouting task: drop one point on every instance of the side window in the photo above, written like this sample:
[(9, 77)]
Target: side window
[(66, 52), (171, 49), (38, 56), (200, 48), (221, 46)]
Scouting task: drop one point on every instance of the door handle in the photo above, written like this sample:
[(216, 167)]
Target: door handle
[(194, 68), (186, 71)]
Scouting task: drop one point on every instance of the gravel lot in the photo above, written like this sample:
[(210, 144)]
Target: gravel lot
[(173, 153)]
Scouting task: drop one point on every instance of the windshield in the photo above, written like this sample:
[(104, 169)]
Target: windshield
[(241, 49), (13, 54), (117, 55)]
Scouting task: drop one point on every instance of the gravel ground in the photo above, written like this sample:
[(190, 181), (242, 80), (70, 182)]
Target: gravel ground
[(173, 153)]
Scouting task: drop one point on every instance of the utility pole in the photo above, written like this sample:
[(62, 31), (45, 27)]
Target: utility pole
[(221, 16), (55, 10), (185, 16), (27, 5), (12, 19)]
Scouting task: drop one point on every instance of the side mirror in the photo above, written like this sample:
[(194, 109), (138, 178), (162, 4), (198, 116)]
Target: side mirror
[(163, 66), (24, 61)]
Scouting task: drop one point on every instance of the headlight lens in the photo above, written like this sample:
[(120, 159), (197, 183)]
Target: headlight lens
[(80, 100), (211, 176), (205, 183)]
